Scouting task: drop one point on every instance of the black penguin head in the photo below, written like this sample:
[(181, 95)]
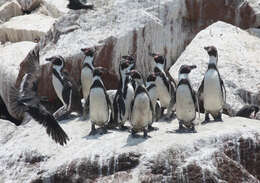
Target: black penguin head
[(136, 76), (98, 71), (185, 69), (254, 109), (131, 59), (158, 71), (158, 58), (151, 77), (57, 61), (212, 50), (124, 64), (88, 51)]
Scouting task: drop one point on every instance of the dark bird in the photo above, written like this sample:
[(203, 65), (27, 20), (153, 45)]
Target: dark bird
[(77, 5), (247, 110), (27, 100)]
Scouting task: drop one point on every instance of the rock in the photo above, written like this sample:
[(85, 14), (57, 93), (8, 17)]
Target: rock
[(25, 28), (9, 68), (55, 9), (29, 5), (219, 152), (238, 59), (9, 10)]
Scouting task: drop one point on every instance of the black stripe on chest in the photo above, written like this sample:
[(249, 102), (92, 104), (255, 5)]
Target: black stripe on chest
[(88, 66), (150, 87), (57, 75)]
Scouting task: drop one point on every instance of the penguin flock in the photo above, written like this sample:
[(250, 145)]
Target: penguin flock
[(137, 100)]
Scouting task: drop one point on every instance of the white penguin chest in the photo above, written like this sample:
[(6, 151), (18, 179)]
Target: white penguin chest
[(129, 96), (58, 87), (213, 99), (153, 95), (141, 112), (99, 111), (162, 92), (185, 107), (86, 81)]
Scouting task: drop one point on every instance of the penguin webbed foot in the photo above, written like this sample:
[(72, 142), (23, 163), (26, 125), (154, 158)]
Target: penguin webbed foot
[(207, 120), (123, 127), (151, 128), (133, 133), (93, 130), (181, 128), (103, 130), (219, 118)]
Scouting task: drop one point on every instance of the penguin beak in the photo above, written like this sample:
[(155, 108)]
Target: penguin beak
[(152, 54), (206, 48), (51, 59), (193, 67)]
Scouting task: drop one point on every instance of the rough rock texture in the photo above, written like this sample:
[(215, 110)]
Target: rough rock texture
[(9, 10), (238, 62), (54, 9), (29, 5), (219, 152), (10, 59), (25, 28)]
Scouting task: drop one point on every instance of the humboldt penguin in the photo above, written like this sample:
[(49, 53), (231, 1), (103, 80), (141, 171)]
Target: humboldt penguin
[(247, 110), (99, 102), (186, 100), (165, 92), (123, 97), (165, 85), (141, 107), (151, 89), (86, 77), (62, 86), (26, 100), (212, 90)]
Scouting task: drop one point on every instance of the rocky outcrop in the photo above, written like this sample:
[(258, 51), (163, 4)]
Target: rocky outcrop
[(219, 152), (9, 10), (238, 59), (10, 58), (25, 28), (29, 5)]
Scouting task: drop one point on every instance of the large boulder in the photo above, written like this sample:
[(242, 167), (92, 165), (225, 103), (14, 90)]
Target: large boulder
[(25, 28), (9, 10), (219, 152), (238, 63), (11, 55)]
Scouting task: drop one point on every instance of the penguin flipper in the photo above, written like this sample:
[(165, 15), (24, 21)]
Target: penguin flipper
[(200, 96), (45, 118), (223, 89)]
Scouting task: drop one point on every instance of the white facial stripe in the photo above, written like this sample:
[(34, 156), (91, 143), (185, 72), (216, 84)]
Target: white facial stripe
[(213, 60), (183, 76)]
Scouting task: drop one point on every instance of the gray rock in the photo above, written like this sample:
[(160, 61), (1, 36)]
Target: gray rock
[(9, 10)]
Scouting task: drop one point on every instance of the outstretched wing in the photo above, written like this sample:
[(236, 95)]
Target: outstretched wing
[(53, 129)]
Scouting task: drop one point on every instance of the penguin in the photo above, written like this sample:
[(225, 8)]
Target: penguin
[(86, 77), (26, 100), (186, 100), (77, 5), (62, 85), (99, 102), (212, 89), (247, 110), (141, 107), (165, 92), (123, 97), (151, 89)]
